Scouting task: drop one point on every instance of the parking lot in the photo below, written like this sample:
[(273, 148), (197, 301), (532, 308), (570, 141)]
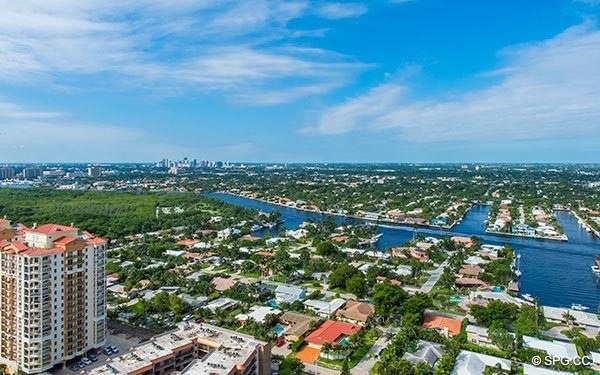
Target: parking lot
[(123, 341)]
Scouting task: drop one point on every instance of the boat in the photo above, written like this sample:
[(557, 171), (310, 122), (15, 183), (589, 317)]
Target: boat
[(527, 297), (375, 238), (256, 228), (579, 307), (518, 273), (273, 224), (596, 270)]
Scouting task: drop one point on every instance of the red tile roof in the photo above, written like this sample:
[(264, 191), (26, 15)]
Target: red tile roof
[(64, 240), (52, 228), (331, 331), (439, 322)]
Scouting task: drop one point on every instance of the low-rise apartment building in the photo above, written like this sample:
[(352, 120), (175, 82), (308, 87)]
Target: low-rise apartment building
[(194, 348)]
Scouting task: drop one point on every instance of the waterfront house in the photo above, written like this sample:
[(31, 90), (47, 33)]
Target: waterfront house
[(586, 320), (465, 241), (440, 221)]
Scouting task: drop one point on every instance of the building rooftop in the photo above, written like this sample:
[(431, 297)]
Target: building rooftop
[(471, 363), (331, 331), (557, 349), (442, 323), (358, 311), (228, 349)]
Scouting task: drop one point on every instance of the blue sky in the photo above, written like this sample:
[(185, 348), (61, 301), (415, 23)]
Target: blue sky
[(299, 80)]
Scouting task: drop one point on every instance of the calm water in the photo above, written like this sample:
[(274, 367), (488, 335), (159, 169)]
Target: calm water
[(557, 272)]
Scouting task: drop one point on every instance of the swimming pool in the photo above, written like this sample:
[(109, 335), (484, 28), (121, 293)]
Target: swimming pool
[(456, 299), (278, 330), (273, 303), (497, 289)]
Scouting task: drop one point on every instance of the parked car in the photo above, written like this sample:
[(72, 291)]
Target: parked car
[(86, 360), (114, 349), (107, 352), (82, 364), (74, 367), (92, 357)]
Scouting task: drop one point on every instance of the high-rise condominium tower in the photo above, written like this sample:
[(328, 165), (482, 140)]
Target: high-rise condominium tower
[(52, 295)]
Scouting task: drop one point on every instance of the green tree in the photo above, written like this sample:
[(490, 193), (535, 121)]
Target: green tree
[(291, 366), (357, 285), (345, 370), (500, 337), (388, 300)]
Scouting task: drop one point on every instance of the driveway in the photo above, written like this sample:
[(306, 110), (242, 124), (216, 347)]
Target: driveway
[(368, 361), (434, 278)]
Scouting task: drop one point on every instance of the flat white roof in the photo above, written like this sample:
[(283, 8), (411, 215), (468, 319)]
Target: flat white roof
[(471, 363), (581, 317), (557, 349), (533, 370)]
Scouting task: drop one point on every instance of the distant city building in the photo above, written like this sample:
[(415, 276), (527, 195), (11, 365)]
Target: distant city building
[(52, 293), (94, 171), (7, 173), (54, 173), (31, 173)]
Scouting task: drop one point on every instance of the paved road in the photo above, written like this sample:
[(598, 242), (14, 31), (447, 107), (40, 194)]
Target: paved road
[(368, 361), (317, 370), (434, 278)]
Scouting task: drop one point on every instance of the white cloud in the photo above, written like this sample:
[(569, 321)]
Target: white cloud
[(545, 89), (335, 11), (233, 46)]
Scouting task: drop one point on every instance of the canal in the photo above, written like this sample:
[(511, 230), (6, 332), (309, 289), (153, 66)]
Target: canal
[(557, 272)]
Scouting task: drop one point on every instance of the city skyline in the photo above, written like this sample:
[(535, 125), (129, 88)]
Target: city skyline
[(270, 81)]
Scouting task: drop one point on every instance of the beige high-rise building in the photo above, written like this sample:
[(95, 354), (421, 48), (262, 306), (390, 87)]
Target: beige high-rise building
[(52, 295)]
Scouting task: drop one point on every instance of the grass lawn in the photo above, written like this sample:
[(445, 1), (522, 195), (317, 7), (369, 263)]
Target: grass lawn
[(137, 308), (370, 337)]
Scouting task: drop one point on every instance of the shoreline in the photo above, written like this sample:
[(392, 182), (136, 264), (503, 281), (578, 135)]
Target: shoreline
[(564, 238), (396, 223), (406, 225), (585, 223)]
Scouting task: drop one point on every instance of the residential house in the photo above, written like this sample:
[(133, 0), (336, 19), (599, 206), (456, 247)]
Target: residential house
[(222, 284), (221, 304), (470, 271), (289, 293), (445, 324), (258, 314), (356, 312), (427, 352), (479, 336), (556, 349), (296, 325), (324, 308), (331, 332), (471, 363)]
